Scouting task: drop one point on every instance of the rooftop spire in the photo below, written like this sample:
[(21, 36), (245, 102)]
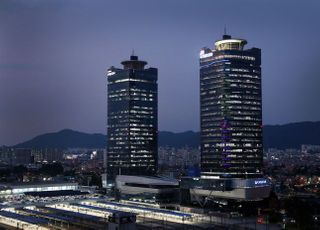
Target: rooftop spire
[(225, 35)]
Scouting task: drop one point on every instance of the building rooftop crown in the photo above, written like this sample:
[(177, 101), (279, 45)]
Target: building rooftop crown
[(134, 63), (229, 43), (133, 58)]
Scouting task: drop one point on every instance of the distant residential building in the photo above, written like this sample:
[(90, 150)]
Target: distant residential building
[(6, 155), (231, 109), (47, 155), (132, 119), (310, 148), (21, 157), (178, 157)]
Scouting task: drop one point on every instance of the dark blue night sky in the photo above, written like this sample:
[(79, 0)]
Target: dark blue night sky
[(54, 56)]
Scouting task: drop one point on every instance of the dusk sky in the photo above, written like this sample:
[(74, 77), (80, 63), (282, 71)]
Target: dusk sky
[(54, 55)]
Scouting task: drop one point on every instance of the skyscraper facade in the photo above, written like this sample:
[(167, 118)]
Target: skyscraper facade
[(231, 110), (132, 119)]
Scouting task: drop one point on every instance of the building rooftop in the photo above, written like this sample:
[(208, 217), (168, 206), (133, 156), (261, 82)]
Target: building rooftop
[(134, 63), (28, 219)]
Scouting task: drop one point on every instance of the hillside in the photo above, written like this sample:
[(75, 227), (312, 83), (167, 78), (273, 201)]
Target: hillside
[(291, 135)]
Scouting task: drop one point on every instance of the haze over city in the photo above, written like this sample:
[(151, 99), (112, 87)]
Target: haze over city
[(54, 56)]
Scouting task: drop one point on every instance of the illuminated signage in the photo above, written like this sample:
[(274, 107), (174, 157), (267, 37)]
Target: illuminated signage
[(110, 73), (205, 55), (260, 182)]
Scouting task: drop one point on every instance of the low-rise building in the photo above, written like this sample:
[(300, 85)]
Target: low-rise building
[(21, 188), (157, 191)]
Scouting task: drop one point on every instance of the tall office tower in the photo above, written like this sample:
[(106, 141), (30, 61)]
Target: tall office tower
[(231, 111), (132, 119)]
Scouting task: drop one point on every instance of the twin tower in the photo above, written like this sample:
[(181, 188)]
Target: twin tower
[(230, 113)]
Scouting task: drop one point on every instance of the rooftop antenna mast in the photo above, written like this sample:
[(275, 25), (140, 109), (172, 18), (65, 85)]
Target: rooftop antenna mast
[(225, 35)]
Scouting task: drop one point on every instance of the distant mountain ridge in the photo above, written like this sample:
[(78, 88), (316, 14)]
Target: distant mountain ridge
[(65, 138), (291, 135)]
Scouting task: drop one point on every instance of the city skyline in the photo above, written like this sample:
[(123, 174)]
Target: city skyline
[(159, 114), (53, 59)]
